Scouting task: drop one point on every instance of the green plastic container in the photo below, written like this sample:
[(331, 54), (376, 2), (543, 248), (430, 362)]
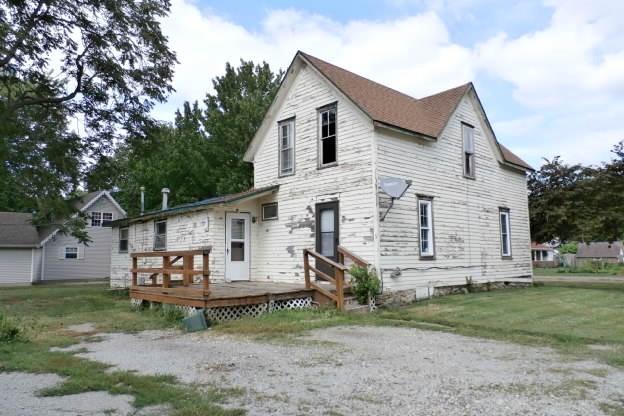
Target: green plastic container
[(195, 322)]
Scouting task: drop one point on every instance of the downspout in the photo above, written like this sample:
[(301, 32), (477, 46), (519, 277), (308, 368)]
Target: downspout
[(376, 222)]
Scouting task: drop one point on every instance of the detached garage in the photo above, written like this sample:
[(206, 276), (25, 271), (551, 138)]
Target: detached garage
[(20, 254)]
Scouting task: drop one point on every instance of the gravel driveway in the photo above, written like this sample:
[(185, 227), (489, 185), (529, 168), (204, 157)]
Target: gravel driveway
[(372, 371)]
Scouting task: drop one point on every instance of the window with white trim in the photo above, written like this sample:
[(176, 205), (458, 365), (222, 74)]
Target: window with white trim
[(286, 131), (269, 211), (425, 224), (505, 232), (160, 235), (71, 252), (328, 154), (469, 150), (100, 219), (123, 239)]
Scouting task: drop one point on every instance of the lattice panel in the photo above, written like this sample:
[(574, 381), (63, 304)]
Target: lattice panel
[(297, 303), (227, 313)]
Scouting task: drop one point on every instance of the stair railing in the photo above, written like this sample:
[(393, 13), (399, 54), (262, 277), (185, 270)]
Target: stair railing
[(338, 280)]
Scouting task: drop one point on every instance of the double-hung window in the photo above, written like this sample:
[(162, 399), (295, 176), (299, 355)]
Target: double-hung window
[(160, 235), (505, 232), (71, 252), (425, 224), (123, 240), (469, 150), (286, 130), (101, 219), (328, 154)]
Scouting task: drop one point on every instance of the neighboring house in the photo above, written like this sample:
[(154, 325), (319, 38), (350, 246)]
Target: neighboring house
[(331, 145), (30, 254), (543, 255), (600, 251)]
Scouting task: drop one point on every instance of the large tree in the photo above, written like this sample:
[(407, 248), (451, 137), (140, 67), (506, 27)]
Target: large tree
[(575, 202), (97, 64), (201, 154)]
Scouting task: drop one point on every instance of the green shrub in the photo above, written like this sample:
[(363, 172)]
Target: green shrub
[(568, 248), (9, 330), (364, 283)]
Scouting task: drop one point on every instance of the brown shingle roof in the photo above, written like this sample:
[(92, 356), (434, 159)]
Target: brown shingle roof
[(427, 116)]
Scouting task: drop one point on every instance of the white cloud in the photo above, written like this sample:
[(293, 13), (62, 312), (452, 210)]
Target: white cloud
[(413, 54), (568, 77)]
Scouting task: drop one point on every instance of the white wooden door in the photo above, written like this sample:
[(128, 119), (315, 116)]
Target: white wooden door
[(237, 246)]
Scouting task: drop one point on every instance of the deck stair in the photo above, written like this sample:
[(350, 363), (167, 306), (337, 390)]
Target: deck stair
[(333, 289)]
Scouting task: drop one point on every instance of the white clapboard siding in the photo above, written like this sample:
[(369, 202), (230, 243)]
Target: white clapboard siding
[(465, 211), (280, 257)]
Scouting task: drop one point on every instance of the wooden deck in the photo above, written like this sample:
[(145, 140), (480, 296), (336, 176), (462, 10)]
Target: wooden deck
[(221, 293)]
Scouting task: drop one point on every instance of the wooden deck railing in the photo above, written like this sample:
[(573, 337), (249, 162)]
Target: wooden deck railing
[(169, 268), (339, 268)]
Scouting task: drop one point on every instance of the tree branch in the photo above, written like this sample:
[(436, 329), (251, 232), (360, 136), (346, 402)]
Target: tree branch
[(19, 39)]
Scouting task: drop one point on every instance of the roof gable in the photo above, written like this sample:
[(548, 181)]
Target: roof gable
[(427, 116)]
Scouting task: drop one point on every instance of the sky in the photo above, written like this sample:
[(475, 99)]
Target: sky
[(550, 73)]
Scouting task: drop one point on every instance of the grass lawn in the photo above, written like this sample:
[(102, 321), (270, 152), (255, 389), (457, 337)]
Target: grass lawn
[(572, 320), (569, 319), (607, 270), (43, 313)]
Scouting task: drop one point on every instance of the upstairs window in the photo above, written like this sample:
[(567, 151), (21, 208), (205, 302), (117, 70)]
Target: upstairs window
[(327, 140), (425, 222), (286, 147), (469, 150), (101, 219), (160, 235), (123, 240), (505, 233)]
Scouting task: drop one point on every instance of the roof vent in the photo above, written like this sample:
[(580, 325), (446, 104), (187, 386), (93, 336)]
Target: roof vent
[(165, 198)]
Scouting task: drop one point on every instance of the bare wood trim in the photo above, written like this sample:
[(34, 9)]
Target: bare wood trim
[(306, 268), (322, 275), (354, 257), (198, 252), (324, 291), (340, 290), (166, 276), (330, 262), (135, 276), (157, 270)]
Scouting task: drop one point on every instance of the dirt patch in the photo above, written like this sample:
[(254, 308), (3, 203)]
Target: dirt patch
[(372, 371)]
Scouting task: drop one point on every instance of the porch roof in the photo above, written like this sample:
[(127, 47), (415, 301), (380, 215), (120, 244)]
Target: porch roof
[(198, 205)]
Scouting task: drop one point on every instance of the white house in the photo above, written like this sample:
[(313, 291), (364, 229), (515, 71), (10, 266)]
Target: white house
[(30, 254), (331, 146)]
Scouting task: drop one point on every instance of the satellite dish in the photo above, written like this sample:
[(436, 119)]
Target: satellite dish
[(395, 187)]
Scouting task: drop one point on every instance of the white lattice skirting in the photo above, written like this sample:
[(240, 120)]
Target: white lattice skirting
[(227, 313)]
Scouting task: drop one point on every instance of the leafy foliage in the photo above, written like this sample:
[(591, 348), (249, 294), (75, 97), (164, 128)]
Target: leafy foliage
[(364, 283), (568, 248), (9, 330), (100, 65), (201, 154), (575, 202)]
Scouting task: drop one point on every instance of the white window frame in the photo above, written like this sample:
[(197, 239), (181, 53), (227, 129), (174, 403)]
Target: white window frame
[(504, 217), (77, 252), (127, 239), (163, 240), (427, 204), (468, 150), (290, 146), (97, 218), (264, 217), (321, 111)]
